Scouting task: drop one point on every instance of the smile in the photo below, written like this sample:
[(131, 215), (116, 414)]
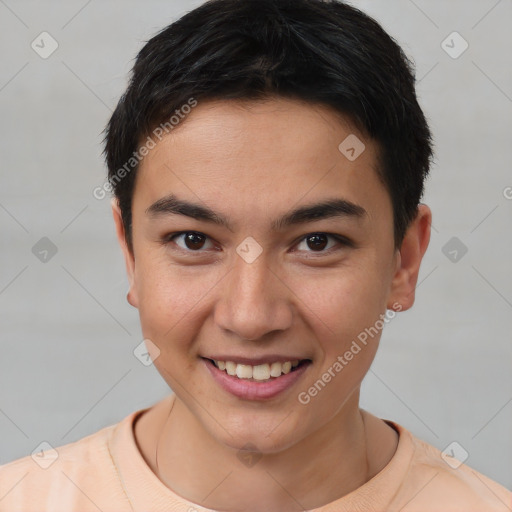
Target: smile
[(262, 381), (260, 372)]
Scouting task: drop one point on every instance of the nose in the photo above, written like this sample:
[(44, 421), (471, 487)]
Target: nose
[(254, 302)]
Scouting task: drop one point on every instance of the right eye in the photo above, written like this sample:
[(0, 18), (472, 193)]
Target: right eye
[(191, 241)]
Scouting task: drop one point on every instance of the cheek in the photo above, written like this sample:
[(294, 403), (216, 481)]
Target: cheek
[(172, 299), (342, 310), (342, 302)]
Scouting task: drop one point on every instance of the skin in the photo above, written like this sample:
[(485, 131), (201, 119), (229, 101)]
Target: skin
[(252, 162)]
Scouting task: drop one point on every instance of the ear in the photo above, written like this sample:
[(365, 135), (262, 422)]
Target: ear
[(408, 260), (129, 258)]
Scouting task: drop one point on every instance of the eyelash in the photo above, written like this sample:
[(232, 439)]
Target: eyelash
[(343, 241)]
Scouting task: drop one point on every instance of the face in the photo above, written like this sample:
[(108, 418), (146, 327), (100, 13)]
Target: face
[(257, 240)]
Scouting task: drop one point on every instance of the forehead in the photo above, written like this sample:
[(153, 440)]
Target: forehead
[(262, 155)]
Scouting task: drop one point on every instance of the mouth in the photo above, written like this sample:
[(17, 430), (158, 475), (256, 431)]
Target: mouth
[(260, 372), (259, 382)]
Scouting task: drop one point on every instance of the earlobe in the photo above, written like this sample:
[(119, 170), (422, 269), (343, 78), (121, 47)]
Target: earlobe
[(409, 259), (129, 258), (130, 298)]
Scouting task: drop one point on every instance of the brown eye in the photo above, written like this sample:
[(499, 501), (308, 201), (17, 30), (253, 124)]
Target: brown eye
[(317, 241), (191, 241), (323, 243), (194, 241)]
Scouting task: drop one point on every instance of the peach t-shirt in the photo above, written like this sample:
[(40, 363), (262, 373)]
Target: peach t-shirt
[(105, 472)]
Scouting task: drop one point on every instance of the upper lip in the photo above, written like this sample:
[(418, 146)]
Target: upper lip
[(255, 361)]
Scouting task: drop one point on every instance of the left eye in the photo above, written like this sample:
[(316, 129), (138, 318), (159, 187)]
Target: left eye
[(320, 241)]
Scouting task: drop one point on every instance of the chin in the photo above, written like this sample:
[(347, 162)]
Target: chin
[(269, 438)]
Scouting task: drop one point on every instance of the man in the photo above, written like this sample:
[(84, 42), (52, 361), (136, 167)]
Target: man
[(268, 161)]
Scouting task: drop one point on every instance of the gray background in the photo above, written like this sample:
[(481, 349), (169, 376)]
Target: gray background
[(67, 333)]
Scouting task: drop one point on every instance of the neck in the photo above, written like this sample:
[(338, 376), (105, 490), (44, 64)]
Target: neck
[(323, 467)]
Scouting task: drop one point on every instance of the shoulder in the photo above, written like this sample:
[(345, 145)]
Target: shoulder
[(435, 479), (75, 476)]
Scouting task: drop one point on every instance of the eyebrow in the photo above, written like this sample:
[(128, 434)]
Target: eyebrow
[(341, 208)]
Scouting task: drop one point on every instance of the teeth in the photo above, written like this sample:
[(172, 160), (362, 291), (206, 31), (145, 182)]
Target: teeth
[(259, 372), (275, 369), (244, 371), (230, 367)]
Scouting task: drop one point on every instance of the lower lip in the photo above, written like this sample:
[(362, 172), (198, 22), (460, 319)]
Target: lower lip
[(253, 390)]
